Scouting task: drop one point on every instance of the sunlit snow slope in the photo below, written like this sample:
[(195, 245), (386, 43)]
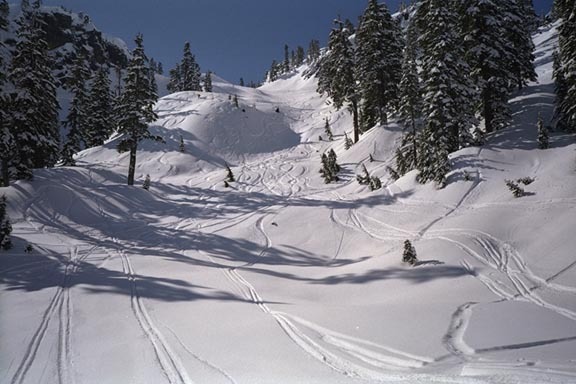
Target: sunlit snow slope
[(281, 278)]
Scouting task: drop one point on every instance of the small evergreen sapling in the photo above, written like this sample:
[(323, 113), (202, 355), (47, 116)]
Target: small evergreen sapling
[(330, 167), (347, 142), (516, 190), (181, 144), (146, 183), (525, 180), (365, 178), (375, 183), (409, 255), (543, 138), (229, 175), (328, 130)]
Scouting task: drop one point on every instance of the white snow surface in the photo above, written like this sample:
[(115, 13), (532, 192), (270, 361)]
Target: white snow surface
[(281, 278)]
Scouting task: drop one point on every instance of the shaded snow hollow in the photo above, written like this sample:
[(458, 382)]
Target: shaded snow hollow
[(281, 278)]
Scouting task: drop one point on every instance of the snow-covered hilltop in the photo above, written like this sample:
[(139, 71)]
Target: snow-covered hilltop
[(282, 278)]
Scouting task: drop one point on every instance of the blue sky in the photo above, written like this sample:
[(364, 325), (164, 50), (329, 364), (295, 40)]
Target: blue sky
[(232, 38)]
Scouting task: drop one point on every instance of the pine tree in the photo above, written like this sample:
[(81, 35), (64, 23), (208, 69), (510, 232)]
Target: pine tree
[(101, 110), (448, 94), (34, 106), (327, 130), (77, 121), (229, 175), (181, 147), (519, 23), (146, 183), (567, 46), (336, 75), (409, 255), (348, 143), (543, 139), (189, 71), (286, 59), (490, 54), (363, 179), (313, 53), (241, 82), (136, 107), (561, 92), (378, 60), (5, 226), (7, 144), (235, 101), (175, 82), (208, 82), (410, 89), (330, 167)]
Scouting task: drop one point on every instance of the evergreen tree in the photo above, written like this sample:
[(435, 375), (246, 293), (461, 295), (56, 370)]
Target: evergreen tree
[(313, 53), (300, 56), (101, 117), (378, 59), (181, 147), (286, 59), (567, 46), (330, 167), (229, 175), (519, 23), (6, 138), (5, 226), (448, 94), (34, 106), (136, 107), (489, 53), (328, 131), (175, 82), (189, 71), (336, 75), (146, 183), (208, 82), (241, 82), (77, 121), (543, 139), (409, 255), (561, 91), (348, 143)]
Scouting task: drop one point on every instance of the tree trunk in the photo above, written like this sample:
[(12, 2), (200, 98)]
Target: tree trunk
[(356, 123), (5, 174), (132, 166), (488, 112)]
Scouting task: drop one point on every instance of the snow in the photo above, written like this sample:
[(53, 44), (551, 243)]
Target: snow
[(281, 278)]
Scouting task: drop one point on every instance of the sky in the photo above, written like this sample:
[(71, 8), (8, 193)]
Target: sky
[(231, 38)]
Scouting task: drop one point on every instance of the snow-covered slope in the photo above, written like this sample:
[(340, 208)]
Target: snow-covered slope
[(284, 279)]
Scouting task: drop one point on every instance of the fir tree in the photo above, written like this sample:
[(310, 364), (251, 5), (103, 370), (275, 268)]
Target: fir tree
[(181, 147), (5, 226), (189, 71), (410, 89), (34, 106), (101, 117), (409, 255), (146, 183), (327, 130), (175, 82), (490, 54), (136, 107), (375, 183), (7, 144), (348, 143), (286, 59), (378, 60), (77, 121), (229, 175), (235, 101), (363, 179), (561, 92), (567, 46), (336, 75), (543, 139), (447, 110), (313, 53), (208, 82), (241, 82), (516, 190), (519, 23), (330, 167)]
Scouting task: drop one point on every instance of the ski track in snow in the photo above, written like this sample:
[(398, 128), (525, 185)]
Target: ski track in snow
[(60, 306), (169, 363)]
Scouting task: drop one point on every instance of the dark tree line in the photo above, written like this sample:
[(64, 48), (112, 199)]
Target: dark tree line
[(447, 74), (29, 122)]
